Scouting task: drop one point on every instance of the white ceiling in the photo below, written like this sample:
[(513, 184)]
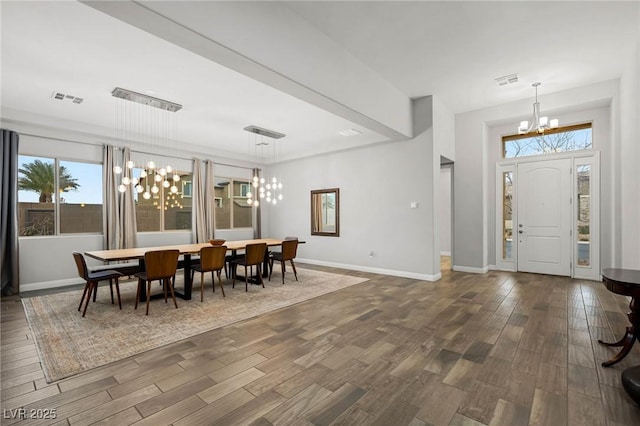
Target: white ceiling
[(452, 50)]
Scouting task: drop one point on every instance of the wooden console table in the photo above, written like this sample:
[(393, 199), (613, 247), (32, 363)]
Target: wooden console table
[(627, 283)]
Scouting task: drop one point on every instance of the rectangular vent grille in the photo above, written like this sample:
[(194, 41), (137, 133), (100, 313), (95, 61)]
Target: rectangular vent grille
[(507, 79), (61, 97)]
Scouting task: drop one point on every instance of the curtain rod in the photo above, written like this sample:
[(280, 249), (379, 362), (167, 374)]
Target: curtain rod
[(133, 150)]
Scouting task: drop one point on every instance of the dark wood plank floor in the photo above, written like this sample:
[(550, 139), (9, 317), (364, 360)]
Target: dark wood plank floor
[(492, 349)]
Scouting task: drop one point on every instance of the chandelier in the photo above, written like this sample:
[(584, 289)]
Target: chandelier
[(538, 123), (150, 120), (266, 147)]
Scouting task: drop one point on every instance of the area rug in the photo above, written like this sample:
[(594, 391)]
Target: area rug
[(69, 344)]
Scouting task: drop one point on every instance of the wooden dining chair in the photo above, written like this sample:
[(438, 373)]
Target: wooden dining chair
[(212, 259), (92, 279), (253, 256), (159, 265), (289, 251)]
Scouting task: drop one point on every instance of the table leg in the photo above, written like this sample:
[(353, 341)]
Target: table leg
[(627, 340), (143, 288), (187, 277)]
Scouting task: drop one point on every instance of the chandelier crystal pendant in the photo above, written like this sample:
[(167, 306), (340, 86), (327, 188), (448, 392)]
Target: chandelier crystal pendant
[(264, 189), (538, 123), (147, 119)]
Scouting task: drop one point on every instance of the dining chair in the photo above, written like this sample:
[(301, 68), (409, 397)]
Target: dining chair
[(159, 265), (92, 279), (289, 251), (212, 259), (253, 256)]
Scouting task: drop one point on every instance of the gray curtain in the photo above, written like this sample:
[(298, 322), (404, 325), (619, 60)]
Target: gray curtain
[(203, 201), (119, 220), (9, 213)]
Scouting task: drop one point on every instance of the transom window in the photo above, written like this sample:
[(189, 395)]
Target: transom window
[(563, 139)]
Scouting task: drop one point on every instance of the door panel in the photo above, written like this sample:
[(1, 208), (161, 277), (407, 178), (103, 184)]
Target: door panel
[(544, 217)]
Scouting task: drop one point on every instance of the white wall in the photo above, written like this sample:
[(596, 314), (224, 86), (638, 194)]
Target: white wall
[(377, 185), (629, 164), (477, 150), (444, 205)]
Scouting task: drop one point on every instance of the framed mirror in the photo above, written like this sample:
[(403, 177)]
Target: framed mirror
[(325, 212)]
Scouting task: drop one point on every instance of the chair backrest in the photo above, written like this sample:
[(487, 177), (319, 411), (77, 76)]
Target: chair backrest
[(289, 249), (254, 253), (212, 258), (290, 238), (161, 263), (81, 264)]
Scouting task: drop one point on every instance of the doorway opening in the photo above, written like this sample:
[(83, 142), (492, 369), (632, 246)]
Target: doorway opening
[(445, 220)]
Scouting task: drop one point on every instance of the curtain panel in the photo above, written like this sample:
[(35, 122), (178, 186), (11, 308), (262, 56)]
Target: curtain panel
[(119, 220), (9, 213), (203, 201)]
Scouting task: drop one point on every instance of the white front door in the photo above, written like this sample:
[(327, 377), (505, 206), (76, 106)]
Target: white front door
[(543, 228)]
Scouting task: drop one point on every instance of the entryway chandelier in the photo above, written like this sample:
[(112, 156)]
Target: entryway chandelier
[(149, 120), (266, 147), (538, 123)]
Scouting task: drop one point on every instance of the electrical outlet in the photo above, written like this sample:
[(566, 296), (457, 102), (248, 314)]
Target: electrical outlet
[(371, 253)]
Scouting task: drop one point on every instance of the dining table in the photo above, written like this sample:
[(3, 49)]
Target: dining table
[(186, 250)]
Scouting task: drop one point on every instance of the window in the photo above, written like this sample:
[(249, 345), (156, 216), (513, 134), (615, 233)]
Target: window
[(232, 210), (569, 138), (583, 231), (507, 218), (164, 210), (58, 197)]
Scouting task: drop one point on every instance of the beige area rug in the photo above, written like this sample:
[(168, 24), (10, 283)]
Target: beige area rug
[(69, 344)]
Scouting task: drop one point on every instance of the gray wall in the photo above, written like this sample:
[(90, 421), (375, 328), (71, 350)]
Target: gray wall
[(477, 150)]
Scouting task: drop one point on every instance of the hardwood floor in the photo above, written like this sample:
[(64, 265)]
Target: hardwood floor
[(492, 349)]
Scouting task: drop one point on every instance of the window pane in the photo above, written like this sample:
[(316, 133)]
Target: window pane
[(242, 212), (583, 174), (507, 222), (36, 195), (177, 205), (223, 203), (547, 143), (80, 197), (147, 203)]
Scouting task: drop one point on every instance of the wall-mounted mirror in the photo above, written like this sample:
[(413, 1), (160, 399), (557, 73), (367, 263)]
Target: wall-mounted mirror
[(325, 212)]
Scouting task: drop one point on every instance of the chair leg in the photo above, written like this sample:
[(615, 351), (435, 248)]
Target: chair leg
[(201, 286), (246, 279), (138, 292), (148, 295), (111, 289), (270, 267), (173, 295), (293, 265), (95, 292), (282, 268), (118, 292), (84, 293), (91, 287), (234, 276), (220, 282)]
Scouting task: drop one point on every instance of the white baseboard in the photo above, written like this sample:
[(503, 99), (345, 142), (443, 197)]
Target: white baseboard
[(470, 269), (445, 253), (392, 272), (49, 284)]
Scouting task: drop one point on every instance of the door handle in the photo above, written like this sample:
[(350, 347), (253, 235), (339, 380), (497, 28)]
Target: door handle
[(520, 231)]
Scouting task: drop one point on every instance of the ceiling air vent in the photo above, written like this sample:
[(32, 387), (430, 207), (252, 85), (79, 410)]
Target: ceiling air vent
[(507, 79), (61, 97)]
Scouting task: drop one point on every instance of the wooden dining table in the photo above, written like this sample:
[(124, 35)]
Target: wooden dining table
[(186, 250)]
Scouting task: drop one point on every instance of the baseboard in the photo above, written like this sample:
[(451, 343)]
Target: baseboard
[(392, 272), (445, 253), (470, 269), (50, 284)]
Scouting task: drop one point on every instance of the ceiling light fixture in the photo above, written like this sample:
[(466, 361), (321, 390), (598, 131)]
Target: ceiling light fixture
[(267, 187), (349, 132), (538, 123), (155, 127)]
